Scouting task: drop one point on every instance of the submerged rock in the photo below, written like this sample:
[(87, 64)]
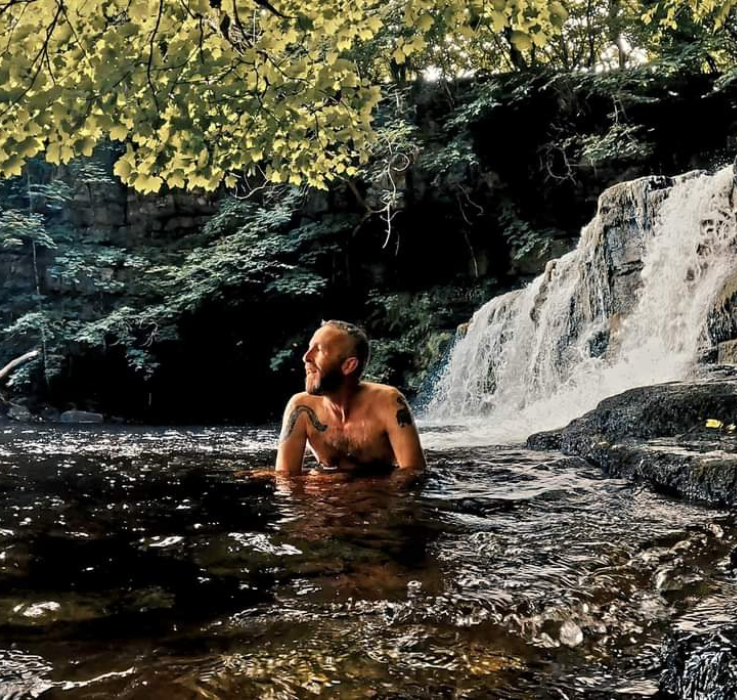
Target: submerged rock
[(570, 634), (701, 665), (657, 434)]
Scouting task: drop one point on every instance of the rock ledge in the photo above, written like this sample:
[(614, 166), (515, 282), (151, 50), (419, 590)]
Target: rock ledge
[(657, 434)]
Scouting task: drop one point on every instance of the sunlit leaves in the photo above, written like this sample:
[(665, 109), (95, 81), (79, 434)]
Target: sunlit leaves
[(521, 41), (668, 13), (203, 92)]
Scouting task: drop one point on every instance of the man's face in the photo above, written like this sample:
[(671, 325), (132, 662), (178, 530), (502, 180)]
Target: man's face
[(323, 360)]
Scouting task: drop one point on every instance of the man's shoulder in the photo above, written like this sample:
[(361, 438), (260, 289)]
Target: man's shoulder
[(383, 393), (389, 403), (302, 398)]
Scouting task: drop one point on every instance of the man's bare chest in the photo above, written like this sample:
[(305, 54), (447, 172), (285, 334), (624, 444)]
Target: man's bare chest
[(359, 439)]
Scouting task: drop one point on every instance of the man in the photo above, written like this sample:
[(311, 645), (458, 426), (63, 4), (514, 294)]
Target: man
[(347, 423)]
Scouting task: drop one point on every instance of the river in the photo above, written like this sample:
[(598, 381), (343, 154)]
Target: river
[(161, 563)]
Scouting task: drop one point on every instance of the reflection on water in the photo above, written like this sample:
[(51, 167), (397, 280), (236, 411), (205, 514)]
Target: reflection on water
[(164, 564)]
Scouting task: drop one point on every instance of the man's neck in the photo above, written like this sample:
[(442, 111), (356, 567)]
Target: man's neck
[(341, 400)]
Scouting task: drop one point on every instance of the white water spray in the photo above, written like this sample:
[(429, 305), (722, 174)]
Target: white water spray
[(629, 307)]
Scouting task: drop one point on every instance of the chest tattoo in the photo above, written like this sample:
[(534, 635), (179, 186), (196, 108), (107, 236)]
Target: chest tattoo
[(292, 420)]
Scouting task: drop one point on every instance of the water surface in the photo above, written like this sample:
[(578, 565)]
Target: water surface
[(160, 563)]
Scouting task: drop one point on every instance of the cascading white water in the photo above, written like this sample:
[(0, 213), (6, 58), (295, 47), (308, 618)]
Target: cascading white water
[(536, 358)]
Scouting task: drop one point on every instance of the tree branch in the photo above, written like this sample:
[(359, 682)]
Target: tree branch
[(10, 367), (270, 8), (151, 55)]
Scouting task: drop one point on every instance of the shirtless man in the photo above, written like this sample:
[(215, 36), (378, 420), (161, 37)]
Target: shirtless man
[(347, 423)]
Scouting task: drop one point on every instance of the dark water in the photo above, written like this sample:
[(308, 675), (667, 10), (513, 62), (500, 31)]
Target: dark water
[(161, 564)]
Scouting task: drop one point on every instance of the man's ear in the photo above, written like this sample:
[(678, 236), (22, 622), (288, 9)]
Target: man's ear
[(350, 364)]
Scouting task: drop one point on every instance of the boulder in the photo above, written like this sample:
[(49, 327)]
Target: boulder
[(81, 417), (661, 410), (19, 413)]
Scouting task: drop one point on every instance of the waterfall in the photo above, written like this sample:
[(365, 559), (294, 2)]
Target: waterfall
[(628, 307)]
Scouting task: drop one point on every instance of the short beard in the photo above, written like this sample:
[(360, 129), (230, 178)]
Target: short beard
[(327, 383)]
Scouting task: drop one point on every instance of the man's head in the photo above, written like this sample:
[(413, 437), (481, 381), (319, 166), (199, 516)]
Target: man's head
[(338, 353)]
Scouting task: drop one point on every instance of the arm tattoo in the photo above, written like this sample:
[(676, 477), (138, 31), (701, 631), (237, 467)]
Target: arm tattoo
[(404, 416), (292, 420)]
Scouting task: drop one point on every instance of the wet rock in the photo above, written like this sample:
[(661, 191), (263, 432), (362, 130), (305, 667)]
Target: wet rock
[(19, 413), (570, 634), (733, 559), (701, 665), (551, 440), (81, 417), (692, 471), (656, 434), (39, 613), (665, 580), (676, 583), (662, 410), (37, 610), (716, 372), (534, 260), (24, 675), (727, 353)]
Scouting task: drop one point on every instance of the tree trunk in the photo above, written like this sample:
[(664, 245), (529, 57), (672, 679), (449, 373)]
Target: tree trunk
[(622, 52), (591, 36), (615, 33)]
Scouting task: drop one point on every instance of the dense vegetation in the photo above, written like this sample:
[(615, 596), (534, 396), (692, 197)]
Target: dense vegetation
[(463, 182)]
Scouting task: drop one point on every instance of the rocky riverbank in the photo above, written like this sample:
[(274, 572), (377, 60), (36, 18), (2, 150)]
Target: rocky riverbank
[(657, 434), (19, 413)]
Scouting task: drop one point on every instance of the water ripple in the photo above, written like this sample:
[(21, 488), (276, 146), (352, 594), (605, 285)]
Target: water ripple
[(164, 564)]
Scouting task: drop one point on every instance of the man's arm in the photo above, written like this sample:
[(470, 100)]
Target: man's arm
[(293, 438), (403, 435)]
